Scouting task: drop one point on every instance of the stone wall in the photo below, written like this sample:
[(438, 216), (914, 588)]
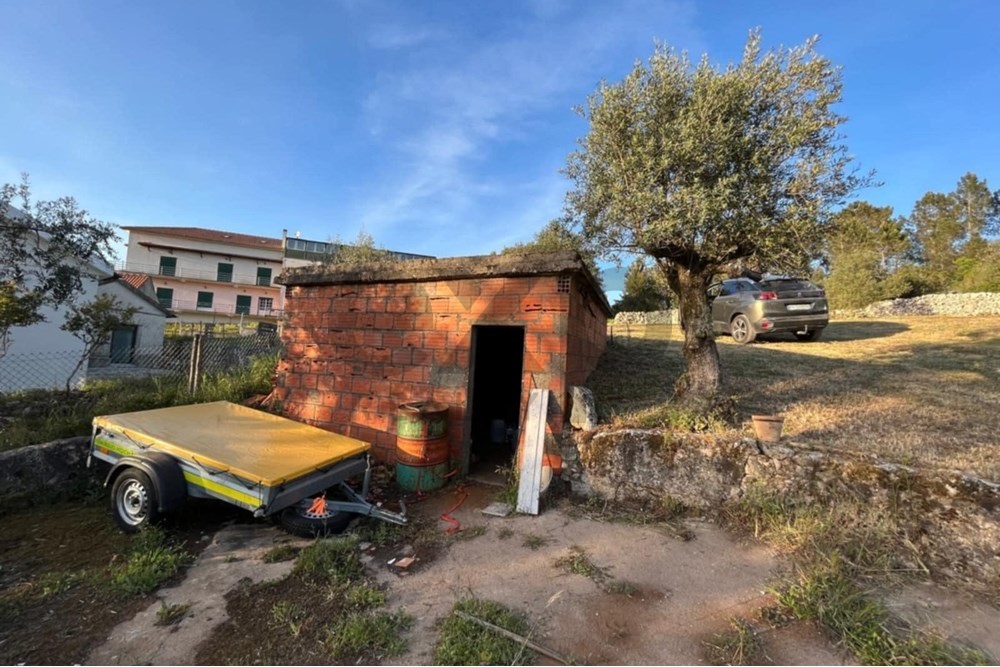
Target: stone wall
[(951, 520), (31, 474)]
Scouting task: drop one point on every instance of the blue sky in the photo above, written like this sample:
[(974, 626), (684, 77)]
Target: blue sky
[(441, 127)]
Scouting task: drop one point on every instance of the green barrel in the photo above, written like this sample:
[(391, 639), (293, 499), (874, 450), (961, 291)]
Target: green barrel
[(421, 445)]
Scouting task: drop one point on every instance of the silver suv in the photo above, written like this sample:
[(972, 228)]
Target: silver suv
[(744, 308)]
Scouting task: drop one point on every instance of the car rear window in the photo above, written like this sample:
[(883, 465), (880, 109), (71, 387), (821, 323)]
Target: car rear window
[(784, 284)]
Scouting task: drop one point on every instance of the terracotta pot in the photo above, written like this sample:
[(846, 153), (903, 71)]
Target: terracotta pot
[(768, 427)]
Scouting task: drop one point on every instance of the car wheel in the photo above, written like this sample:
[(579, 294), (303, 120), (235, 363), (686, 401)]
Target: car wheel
[(133, 500), (812, 334), (300, 519), (741, 330)]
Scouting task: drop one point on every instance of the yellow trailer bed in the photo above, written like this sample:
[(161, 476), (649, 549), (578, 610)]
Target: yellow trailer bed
[(257, 460)]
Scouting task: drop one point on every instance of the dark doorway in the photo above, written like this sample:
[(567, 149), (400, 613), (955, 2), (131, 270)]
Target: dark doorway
[(495, 391)]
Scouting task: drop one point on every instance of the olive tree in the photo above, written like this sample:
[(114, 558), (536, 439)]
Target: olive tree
[(708, 170)]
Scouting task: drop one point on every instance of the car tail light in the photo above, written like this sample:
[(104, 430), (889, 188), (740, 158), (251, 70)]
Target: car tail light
[(765, 324), (767, 296)]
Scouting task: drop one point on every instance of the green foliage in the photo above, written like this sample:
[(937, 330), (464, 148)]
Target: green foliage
[(171, 614), (43, 249), (836, 548), (364, 596), (645, 290), (705, 169), (463, 642), (368, 637), (832, 597), (151, 560), (58, 415), (864, 247), (740, 646), (332, 560), (363, 250), (578, 562), (560, 234), (93, 322), (280, 553)]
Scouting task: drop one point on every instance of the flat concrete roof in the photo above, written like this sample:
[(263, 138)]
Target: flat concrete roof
[(508, 265)]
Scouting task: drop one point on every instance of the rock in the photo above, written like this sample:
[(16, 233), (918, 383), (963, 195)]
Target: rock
[(584, 412)]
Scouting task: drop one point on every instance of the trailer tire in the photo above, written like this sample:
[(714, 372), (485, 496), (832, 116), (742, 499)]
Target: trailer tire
[(133, 500), (297, 520)]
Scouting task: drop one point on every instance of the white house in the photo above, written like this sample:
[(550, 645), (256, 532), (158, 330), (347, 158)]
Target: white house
[(144, 335), (43, 356)]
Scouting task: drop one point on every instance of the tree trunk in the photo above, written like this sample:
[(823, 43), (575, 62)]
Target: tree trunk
[(699, 385)]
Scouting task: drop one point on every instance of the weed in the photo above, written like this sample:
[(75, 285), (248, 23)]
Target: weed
[(151, 560), (578, 562), (363, 596), (54, 583), (511, 477), (626, 588), (472, 532), (331, 559), (290, 615), (280, 553), (171, 614), (829, 595), (231, 558), (367, 637), (739, 646), (505, 533), (534, 542), (462, 642), (381, 533)]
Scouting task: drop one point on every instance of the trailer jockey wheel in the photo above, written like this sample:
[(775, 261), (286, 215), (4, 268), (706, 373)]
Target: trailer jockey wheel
[(311, 518)]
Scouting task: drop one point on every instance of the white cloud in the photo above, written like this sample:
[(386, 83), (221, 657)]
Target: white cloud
[(443, 117)]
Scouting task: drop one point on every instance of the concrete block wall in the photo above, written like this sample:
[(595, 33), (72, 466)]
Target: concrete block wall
[(356, 351)]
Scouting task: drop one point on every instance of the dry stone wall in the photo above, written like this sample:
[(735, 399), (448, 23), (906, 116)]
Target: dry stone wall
[(40, 472), (952, 520)]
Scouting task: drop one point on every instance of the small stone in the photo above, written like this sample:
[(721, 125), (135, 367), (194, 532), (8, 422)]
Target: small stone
[(364, 546), (406, 550)]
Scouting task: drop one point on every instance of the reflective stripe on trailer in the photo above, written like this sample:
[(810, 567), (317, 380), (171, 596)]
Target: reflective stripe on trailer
[(106, 446), (227, 492)]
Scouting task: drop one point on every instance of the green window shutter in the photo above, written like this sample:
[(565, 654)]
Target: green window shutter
[(168, 266), (264, 276), (242, 304), (225, 274), (205, 299), (165, 295)]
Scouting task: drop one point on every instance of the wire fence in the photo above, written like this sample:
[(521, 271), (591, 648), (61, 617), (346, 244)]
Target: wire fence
[(178, 357)]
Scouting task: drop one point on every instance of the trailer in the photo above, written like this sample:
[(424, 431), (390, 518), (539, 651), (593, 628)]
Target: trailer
[(269, 465)]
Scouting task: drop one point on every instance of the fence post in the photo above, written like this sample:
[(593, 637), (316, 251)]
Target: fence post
[(194, 365)]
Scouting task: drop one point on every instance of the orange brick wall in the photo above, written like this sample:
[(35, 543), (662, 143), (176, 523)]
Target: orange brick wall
[(355, 352), (587, 334)]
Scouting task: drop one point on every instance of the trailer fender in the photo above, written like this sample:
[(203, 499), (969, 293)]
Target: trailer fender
[(163, 471)]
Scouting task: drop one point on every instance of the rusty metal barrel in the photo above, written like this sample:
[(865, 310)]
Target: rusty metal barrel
[(421, 445)]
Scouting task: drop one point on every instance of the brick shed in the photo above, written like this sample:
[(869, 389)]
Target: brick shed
[(475, 333)]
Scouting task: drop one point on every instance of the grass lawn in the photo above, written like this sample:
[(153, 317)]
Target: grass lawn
[(915, 390)]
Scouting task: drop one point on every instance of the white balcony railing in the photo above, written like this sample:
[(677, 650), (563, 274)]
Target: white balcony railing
[(196, 274), (228, 309)]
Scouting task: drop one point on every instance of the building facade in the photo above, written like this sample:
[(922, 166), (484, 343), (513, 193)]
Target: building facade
[(209, 277), (475, 333)]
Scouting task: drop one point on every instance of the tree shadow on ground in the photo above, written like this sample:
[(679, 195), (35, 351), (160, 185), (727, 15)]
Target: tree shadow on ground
[(836, 331), (926, 402)]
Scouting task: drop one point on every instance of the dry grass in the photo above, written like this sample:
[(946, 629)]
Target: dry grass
[(916, 390)]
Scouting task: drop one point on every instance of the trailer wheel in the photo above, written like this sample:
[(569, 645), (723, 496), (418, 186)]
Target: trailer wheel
[(299, 519), (133, 500)]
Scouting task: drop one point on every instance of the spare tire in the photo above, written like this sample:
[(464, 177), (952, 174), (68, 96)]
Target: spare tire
[(301, 520)]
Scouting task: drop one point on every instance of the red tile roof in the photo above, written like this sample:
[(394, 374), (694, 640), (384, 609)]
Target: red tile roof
[(200, 234), (136, 280)]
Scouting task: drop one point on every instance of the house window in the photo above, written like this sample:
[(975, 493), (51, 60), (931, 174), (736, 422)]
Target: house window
[(264, 305), (205, 300), (168, 266), (264, 276), (225, 274), (242, 304), (165, 295)]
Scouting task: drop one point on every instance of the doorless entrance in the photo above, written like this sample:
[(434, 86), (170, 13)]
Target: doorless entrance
[(495, 396)]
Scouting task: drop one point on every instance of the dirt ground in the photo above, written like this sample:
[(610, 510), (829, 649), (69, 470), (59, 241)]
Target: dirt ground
[(656, 598)]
